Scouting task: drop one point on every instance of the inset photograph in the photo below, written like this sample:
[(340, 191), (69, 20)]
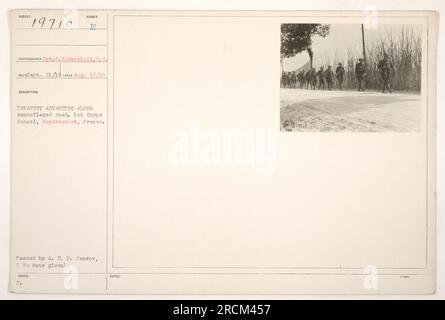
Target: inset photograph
[(350, 77)]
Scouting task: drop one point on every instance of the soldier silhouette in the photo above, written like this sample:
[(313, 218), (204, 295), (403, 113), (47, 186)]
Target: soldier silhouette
[(360, 73), (321, 79), (329, 75), (385, 66), (313, 78), (340, 73)]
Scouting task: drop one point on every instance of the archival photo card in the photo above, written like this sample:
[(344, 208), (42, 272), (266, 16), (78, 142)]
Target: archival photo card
[(223, 152)]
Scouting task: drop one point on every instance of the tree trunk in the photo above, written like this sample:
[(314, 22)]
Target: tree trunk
[(311, 56)]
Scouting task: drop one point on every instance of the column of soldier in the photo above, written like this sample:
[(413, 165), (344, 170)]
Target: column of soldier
[(324, 78)]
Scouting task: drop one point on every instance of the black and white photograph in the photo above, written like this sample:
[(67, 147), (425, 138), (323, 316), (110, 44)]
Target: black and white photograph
[(350, 77)]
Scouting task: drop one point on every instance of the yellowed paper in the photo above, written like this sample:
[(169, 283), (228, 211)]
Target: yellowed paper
[(195, 153)]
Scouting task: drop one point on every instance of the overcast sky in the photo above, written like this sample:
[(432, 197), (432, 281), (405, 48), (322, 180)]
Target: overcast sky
[(343, 37)]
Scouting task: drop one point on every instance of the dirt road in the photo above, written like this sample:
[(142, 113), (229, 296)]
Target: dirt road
[(350, 111)]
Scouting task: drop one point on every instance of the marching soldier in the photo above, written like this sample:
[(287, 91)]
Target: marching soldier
[(283, 79), (321, 76), (385, 66), (340, 73), (314, 78), (293, 79), (301, 79), (329, 75), (307, 78), (288, 79), (360, 74)]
